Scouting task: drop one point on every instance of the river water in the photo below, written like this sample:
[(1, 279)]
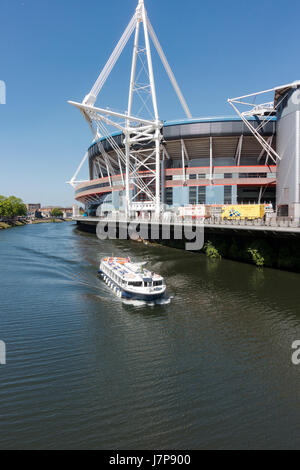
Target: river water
[(208, 369)]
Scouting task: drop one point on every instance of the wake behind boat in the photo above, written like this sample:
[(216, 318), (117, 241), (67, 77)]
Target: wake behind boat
[(131, 280)]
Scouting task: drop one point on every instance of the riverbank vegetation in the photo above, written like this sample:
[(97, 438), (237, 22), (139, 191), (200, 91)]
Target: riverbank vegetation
[(12, 207), (18, 223), (262, 252), (13, 212), (211, 251), (56, 212)]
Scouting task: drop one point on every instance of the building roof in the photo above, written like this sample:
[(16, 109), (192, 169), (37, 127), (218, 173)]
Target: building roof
[(200, 121)]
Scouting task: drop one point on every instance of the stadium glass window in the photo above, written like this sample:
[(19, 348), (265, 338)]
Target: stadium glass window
[(252, 175), (251, 191), (202, 176), (193, 195), (228, 175), (227, 194), (169, 196), (201, 195), (192, 177)]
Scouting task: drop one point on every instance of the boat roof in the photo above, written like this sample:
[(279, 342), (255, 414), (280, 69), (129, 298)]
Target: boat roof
[(131, 271)]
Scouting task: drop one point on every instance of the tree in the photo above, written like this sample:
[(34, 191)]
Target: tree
[(11, 207), (2, 199), (56, 212)]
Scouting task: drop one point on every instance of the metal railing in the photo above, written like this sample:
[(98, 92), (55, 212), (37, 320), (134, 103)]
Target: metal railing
[(268, 222), (173, 219)]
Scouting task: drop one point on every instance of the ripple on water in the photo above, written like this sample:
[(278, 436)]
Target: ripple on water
[(206, 367)]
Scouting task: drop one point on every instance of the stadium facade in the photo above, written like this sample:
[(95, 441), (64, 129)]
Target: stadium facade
[(155, 166), (207, 161)]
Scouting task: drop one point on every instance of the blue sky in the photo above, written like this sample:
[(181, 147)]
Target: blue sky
[(53, 50)]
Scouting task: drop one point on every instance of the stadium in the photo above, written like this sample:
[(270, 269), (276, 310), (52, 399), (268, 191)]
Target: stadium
[(153, 166), (209, 161)]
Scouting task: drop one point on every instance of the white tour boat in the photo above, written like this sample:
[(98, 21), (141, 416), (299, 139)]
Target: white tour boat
[(131, 280)]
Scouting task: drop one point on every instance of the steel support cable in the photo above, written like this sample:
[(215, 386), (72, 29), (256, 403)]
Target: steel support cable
[(118, 154), (168, 69), (265, 122), (112, 142), (113, 58), (256, 134), (277, 105), (117, 149), (105, 156), (144, 104), (114, 145)]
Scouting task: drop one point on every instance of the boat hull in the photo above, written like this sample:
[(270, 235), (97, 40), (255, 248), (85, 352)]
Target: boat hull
[(145, 297), (124, 294)]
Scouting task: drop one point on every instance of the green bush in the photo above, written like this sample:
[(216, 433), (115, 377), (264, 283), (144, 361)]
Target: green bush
[(11, 207), (257, 257), (211, 251), (56, 212)]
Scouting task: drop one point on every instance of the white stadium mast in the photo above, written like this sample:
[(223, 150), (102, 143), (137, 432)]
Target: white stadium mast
[(142, 167)]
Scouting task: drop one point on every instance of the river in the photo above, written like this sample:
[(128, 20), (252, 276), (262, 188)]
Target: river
[(208, 369)]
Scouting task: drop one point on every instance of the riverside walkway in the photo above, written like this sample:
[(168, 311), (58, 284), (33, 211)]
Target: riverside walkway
[(273, 226)]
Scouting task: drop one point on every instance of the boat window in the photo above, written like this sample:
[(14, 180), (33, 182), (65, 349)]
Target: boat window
[(157, 283), (135, 284)]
